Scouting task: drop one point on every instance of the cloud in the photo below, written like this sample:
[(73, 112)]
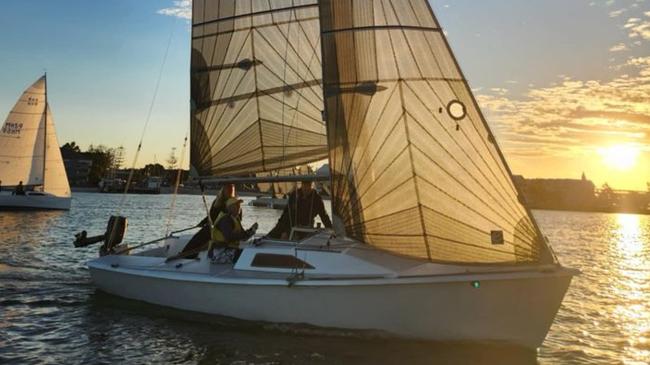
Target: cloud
[(639, 28), (574, 115), (619, 48), (616, 13), (181, 9)]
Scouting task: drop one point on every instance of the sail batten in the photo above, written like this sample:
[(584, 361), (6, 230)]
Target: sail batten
[(257, 95), (415, 167)]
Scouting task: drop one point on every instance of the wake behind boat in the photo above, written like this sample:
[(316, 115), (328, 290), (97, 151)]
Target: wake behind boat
[(31, 167), (430, 240)]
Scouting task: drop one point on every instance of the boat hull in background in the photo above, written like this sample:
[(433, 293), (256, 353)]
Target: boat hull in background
[(510, 307), (34, 201)]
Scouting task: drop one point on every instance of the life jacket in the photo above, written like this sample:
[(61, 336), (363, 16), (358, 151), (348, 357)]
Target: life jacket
[(217, 237)]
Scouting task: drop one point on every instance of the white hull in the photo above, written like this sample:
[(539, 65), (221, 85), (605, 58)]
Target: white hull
[(433, 302), (33, 201)]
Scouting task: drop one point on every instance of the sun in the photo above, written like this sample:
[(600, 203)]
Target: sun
[(620, 157)]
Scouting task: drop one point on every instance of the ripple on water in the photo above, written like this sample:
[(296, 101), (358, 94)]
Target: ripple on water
[(51, 313)]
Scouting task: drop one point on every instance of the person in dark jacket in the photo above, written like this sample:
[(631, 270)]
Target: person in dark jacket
[(303, 206), (20, 189), (202, 237)]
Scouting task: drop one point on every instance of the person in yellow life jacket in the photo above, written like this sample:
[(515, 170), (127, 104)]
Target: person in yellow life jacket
[(227, 232), (200, 240)]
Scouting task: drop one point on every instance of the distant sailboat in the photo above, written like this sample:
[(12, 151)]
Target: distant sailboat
[(30, 155), (432, 240)]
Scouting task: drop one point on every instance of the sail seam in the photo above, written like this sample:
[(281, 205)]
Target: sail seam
[(270, 25), (464, 224), (25, 113), (312, 76), (462, 79), (456, 242), (463, 204), (211, 119), (374, 129), (472, 193), (380, 81), (496, 182), (372, 161), (321, 152), (407, 132), (260, 92), (383, 27), (499, 187), (263, 12), (453, 158)]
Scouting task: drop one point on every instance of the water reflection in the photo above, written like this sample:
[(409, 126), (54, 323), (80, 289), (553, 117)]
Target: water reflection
[(159, 334), (50, 310), (633, 274), (14, 224)]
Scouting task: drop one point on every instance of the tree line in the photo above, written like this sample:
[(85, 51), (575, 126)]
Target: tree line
[(107, 161)]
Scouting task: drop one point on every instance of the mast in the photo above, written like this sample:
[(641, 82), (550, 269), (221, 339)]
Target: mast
[(45, 133)]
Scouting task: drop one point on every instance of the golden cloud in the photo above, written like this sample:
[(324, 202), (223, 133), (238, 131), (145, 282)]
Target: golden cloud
[(574, 115)]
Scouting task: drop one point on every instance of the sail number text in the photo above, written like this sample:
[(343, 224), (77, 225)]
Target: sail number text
[(12, 128)]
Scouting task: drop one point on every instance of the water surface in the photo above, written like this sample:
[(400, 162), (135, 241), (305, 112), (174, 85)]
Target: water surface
[(51, 313)]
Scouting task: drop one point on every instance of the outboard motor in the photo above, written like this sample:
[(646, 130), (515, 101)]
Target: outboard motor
[(115, 231)]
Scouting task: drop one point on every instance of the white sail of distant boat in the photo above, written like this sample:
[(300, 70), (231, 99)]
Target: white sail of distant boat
[(30, 154), (431, 241)]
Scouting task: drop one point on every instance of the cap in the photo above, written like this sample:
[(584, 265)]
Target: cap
[(232, 201)]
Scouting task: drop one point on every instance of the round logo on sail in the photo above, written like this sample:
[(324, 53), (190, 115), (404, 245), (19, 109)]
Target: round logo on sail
[(456, 110)]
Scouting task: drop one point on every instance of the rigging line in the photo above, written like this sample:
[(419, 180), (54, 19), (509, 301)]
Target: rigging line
[(148, 118), (286, 84), (170, 213)]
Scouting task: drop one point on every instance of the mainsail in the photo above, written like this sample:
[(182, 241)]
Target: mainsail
[(22, 149), (256, 86), (415, 168)]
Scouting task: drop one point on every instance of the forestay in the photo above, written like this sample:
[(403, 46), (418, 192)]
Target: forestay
[(256, 86), (415, 168), (21, 145)]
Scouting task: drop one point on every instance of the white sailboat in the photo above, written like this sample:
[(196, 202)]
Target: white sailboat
[(30, 155), (432, 241)]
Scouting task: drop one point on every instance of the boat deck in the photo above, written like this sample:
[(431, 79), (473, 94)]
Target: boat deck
[(317, 258)]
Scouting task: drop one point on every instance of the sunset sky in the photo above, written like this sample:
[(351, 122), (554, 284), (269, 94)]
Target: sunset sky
[(564, 84)]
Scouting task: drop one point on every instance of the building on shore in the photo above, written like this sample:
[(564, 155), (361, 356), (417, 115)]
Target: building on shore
[(580, 195), (77, 166)]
